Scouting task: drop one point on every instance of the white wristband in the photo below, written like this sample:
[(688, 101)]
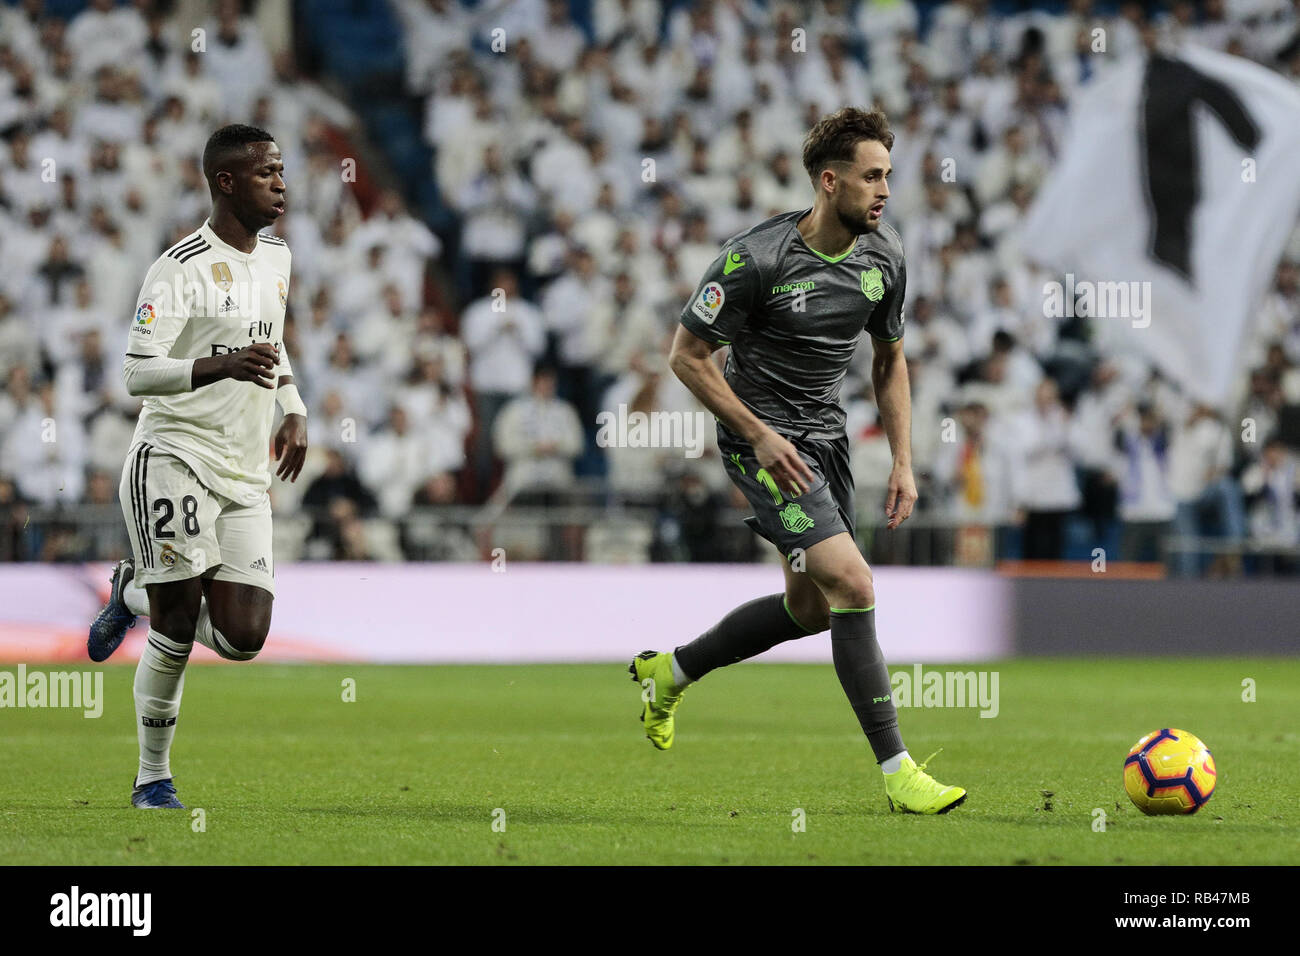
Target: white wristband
[(290, 401)]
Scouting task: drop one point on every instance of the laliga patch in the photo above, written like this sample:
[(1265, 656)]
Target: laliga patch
[(708, 303), (144, 317)]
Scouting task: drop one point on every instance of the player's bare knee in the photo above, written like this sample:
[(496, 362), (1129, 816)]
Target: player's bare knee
[(246, 637), (847, 586), (175, 624), (852, 590)]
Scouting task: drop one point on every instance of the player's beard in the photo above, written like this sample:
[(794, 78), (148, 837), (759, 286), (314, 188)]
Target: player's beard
[(856, 224)]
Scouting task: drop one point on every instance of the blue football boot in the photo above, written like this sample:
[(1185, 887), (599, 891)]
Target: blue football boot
[(111, 624)]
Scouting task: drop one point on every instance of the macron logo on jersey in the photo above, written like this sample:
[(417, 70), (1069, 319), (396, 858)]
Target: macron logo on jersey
[(733, 263)]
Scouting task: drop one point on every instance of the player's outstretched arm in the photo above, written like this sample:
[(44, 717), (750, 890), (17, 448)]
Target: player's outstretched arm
[(691, 361)]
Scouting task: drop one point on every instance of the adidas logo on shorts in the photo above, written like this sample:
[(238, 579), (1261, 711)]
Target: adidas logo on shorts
[(260, 565)]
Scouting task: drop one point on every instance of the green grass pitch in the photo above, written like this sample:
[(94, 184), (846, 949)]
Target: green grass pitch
[(286, 772)]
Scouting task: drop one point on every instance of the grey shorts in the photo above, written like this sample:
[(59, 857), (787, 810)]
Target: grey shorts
[(794, 521)]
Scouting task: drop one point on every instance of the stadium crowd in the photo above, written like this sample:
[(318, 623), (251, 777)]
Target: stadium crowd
[(595, 166)]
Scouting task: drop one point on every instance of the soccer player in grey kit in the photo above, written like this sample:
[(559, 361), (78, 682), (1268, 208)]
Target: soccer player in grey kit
[(791, 297)]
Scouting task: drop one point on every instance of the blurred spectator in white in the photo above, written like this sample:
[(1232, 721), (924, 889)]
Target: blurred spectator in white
[(393, 462), (539, 437), (1146, 500), (16, 398), (296, 103), (1279, 315), (496, 204), (64, 324), (1012, 161), (18, 347), (1272, 489), (433, 342), (197, 89), (935, 336), (20, 26), (363, 398), (90, 380), (1286, 370), (641, 388), (57, 141), (432, 30), (357, 290), (409, 244), (382, 337), (110, 273), (615, 21), (549, 250), (1209, 501), (116, 114), (1261, 411), (333, 427), (559, 41), (1046, 489), (561, 169), (697, 248), (315, 338), (21, 168), (106, 33), (438, 412), (109, 436), (572, 307), (634, 326), (598, 227), (462, 123), (45, 451), (236, 58), (954, 130), (504, 335)]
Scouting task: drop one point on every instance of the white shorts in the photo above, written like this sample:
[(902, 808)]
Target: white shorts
[(180, 529)]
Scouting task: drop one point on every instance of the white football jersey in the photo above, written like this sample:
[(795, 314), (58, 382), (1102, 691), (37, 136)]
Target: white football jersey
[(200, 298)]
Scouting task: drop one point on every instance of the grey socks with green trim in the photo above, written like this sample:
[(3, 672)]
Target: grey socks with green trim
[(749, 630), (860, 666)]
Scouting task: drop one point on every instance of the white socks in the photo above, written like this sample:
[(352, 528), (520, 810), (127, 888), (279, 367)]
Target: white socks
[(136, 598), (892, 764), (159, 681)]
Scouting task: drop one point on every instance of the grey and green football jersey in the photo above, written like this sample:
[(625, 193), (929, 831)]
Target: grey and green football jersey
[(793, 318)]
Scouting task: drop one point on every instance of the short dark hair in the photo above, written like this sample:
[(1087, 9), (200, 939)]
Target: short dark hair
[(227, 141), (837, 135)]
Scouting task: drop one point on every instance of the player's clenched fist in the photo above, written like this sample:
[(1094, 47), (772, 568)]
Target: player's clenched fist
[(256, 363)]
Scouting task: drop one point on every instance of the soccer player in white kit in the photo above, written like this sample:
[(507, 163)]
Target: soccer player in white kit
[(205, 348)]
